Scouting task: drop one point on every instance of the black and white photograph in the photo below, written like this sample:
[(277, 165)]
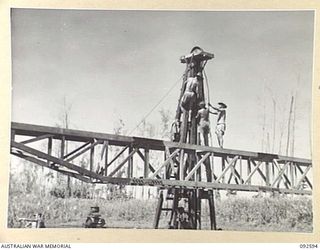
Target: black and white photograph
[(161, 119)]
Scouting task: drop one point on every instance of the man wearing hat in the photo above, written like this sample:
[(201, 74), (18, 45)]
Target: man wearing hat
[(221, 121)]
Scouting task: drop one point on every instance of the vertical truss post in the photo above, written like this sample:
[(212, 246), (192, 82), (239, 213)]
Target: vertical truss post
[(130, 163), (182, 166), (267, 164), (61, 155), (212, 164), (49, 147), (207, 164), (276, 177), (167, 167), (292, 174), (91, 158), (223, 167), (198, 172), (62, 147), (146, 163), (240, 170), (106, 156), (249, 170), (273, 172)]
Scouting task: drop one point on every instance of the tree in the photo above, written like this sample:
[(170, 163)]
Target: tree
[(166, 116), (64, 122)]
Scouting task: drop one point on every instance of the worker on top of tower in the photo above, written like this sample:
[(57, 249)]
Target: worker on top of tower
[(189, 98)]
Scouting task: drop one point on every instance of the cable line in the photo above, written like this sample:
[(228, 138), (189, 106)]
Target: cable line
[(158, 103)]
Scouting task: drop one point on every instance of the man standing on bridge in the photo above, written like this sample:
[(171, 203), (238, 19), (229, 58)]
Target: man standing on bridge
[(221, 121), (204, 124)]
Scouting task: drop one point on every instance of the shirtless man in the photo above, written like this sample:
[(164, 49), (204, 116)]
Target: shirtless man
[(189, 97), (204, 125), (221, 121)]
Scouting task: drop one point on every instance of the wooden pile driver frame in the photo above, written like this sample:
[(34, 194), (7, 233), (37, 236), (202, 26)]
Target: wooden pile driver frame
[(187, 133)]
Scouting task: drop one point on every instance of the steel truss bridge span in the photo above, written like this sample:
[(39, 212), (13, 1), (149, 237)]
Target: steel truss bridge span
[(113, 159)]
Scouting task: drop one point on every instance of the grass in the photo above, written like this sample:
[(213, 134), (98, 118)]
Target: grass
[(234, 213), (266, 214), (58, 211)]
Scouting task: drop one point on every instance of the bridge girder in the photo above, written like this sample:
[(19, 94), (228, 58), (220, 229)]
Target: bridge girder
[(231, 169)]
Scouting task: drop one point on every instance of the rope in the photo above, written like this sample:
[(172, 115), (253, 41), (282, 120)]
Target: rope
[(207, 85), (157, 104)]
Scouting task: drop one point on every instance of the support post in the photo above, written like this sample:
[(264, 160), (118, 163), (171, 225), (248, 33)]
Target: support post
[(198, 210), (146, 163), (91, 158), (213, 222), (194, 208), (106, 156), (181, 167), (223, 167), (212, 164), (249, 170), (173, 219), (240, 170), (267, 173), (292, 174), (130, 163), (62, 149), (49, 147), (158, 211)]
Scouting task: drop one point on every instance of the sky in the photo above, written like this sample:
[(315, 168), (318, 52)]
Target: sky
[(111, 65)]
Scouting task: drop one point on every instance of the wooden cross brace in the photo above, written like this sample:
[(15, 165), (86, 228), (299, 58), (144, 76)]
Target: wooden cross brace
[(155, 173), (303, 177), (195, 168), (234, 160), (281, 174), (123, 162)]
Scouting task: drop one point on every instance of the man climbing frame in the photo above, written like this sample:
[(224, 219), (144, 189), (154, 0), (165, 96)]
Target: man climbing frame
[(189, 98), (221, 121), (188, 104)]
